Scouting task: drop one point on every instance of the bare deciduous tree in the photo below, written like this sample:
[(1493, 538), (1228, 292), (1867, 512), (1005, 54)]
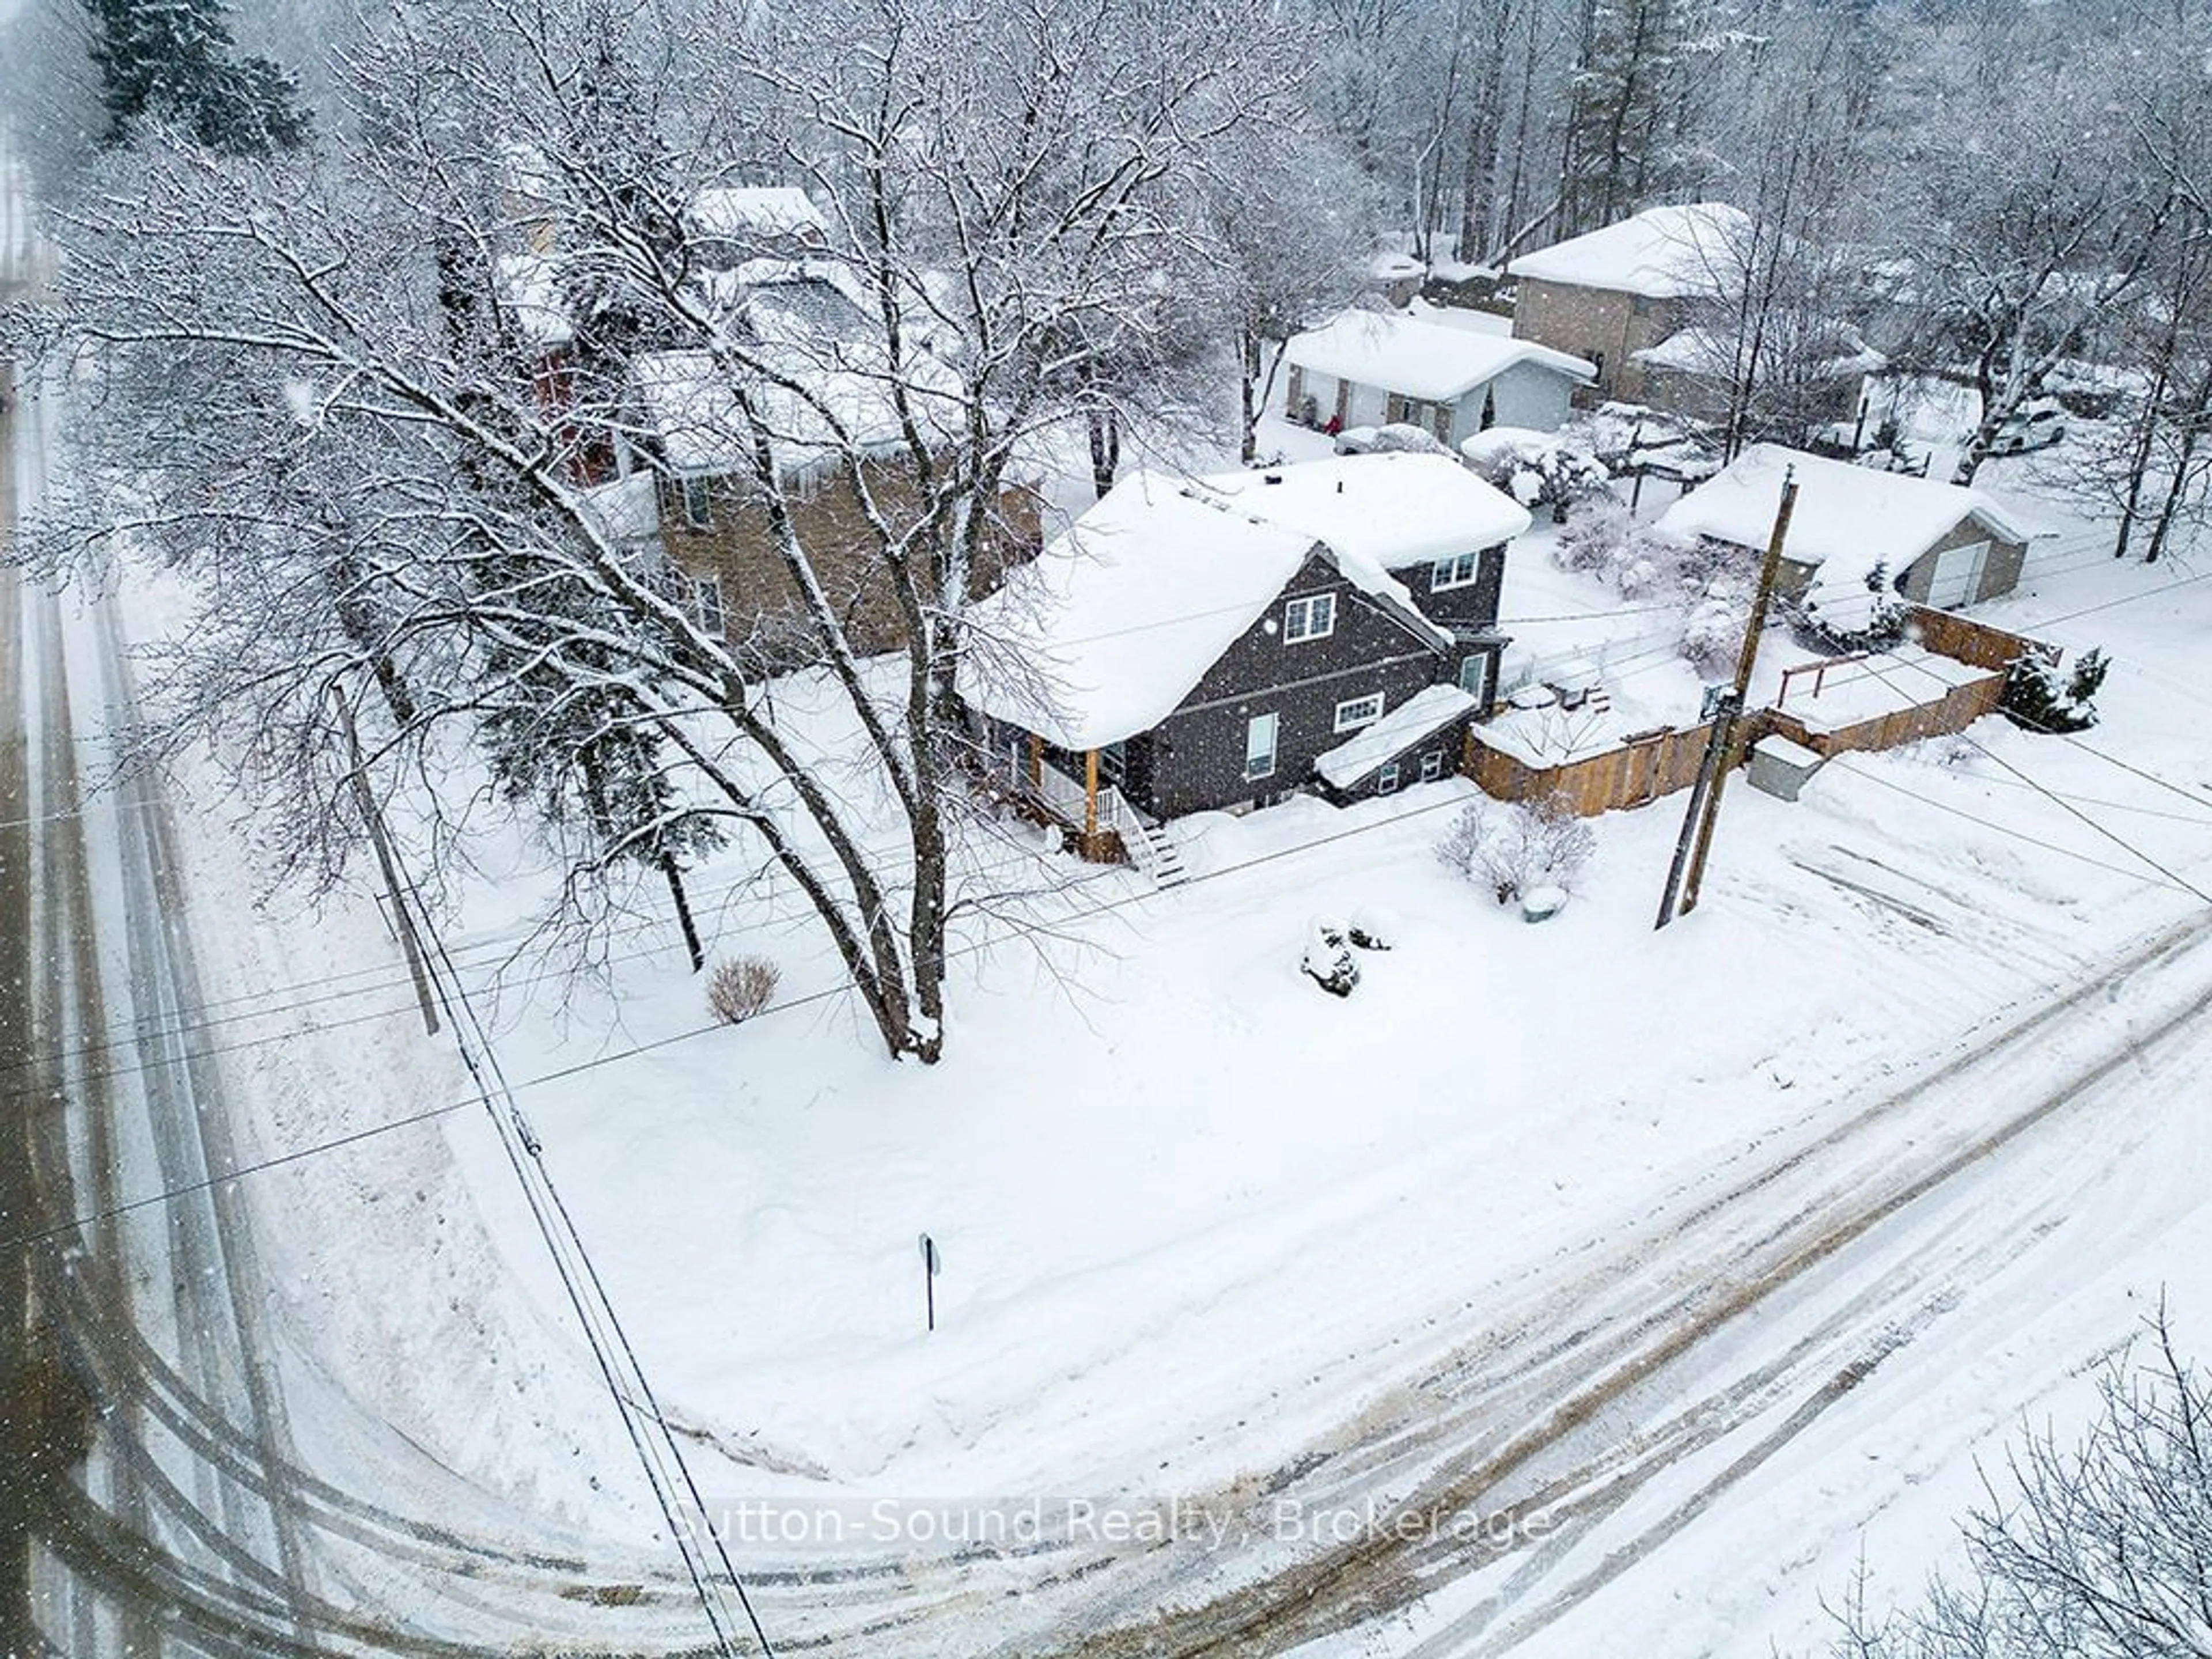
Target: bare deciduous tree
[(322, 397)]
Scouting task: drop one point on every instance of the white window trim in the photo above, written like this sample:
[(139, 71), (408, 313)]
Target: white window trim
[(706, 590), (1387, 779), (701, 517), (1362, 711), (1306, 607), (1432, 766), (1253, 771), (1444, 574)]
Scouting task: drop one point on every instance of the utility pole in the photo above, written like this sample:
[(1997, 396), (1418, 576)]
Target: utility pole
[(1687, 873), (403, 920)]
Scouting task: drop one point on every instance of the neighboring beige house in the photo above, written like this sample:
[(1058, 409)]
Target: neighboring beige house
[(1372, 369), (1618, 292), (1939, 545), (714, 519)]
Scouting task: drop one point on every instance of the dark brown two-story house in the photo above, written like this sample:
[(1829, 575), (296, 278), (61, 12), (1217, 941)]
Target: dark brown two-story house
[(1215, 644)]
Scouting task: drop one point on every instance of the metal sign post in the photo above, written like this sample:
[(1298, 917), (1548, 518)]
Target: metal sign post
[(929, 1269)]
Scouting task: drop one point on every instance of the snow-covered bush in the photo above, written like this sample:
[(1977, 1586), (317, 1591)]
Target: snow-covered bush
[(1374, 929), (1537, 469), (1875, 622), (1712, 639), (1508, 849), (1328, 960), (742, 987), (1636, 558), (2039, 700)]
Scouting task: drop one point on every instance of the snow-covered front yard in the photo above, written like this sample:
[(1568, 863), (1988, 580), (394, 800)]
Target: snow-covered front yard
[(1195, 1218)]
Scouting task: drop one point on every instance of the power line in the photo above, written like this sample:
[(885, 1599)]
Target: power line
[(615, 1057), (2113, 836)]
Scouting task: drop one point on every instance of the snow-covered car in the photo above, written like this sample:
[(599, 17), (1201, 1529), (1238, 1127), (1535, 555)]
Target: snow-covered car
[(2036, 427)]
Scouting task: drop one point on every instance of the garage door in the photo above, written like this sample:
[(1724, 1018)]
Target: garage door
[(1958, 576)]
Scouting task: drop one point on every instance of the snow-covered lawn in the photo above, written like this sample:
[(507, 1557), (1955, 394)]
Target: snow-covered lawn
[(1195, 1216)]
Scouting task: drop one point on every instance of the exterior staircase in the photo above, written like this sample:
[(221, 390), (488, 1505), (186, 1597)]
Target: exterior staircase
[(1151, 852)]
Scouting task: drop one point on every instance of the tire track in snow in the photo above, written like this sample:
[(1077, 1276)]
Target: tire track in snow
[(1454, 1410)]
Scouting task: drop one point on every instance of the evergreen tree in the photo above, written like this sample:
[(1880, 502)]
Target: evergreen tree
[(174, 61), (1626, 111)]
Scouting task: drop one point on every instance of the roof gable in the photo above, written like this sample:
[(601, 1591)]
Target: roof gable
[(1852, 516), (1417, 358), (1660, 254), (1393, 511), (1114, 624)]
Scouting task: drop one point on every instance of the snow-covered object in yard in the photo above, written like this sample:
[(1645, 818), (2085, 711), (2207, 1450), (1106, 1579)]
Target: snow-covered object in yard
[(1395, 437), (1392, 510), (1781, 767), (1328, 961), (1849, 520), (1660, 254), (530, 288), (1104, 633), (1373, 929), (1426, 712), (762, 212), (1543, 903), (1418, 359)]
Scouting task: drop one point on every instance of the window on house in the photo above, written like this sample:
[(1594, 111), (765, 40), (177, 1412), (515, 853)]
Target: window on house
[(1386, 780), (707, 592), (1432, 766), (1474, 676), (698, 504), (1311, 618), (1357, 712), (1260, 746), (1458, 571)]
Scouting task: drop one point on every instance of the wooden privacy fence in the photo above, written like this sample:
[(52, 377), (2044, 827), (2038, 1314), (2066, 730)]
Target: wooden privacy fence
[(1641, 768), (1647, 765)]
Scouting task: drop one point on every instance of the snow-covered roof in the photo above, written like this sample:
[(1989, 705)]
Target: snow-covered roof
[(1853, 517), (1661, 254), (530, 288), (1392, 267), (1426, 711), (1417, 358), (813, 375), (1700, 352), (1393, 510), (763, 210), (1106, 631)]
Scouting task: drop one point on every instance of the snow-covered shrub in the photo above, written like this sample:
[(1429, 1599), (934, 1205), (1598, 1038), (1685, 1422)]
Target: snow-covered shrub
[(1328, 960), (2039, 700), (1537, 469), (1712, 639), (1508, 849), (1636, 558), (741, 986), (1374, 929), (1875, 622)]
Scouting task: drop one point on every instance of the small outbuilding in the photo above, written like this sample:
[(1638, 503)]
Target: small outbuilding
[(1942, 545), (1378, 369)]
